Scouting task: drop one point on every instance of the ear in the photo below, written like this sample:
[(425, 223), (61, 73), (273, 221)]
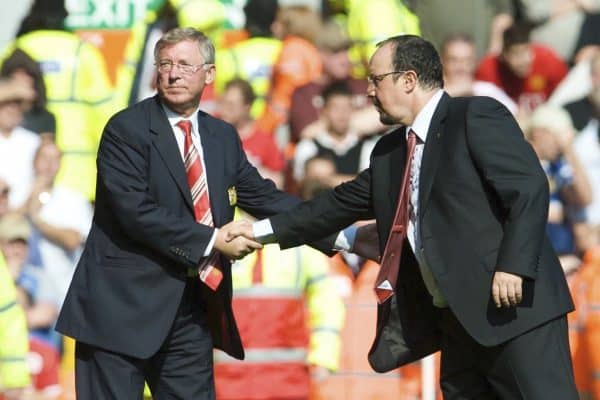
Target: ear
[(209, 76), (410, 80)]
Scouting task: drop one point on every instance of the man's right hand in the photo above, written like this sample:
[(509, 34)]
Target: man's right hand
[(232, 244)]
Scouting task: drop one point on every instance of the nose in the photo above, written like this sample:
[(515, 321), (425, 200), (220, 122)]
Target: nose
[(370, 88)]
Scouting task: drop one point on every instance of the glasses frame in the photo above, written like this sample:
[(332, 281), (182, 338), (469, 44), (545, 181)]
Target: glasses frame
[(186, 69), (376, 79)]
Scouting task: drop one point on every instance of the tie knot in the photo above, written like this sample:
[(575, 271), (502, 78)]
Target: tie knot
[(411, 138), (186, 126)]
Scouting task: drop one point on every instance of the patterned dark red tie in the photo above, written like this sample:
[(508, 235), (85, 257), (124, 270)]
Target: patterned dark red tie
[(385, 285), (208, 271)]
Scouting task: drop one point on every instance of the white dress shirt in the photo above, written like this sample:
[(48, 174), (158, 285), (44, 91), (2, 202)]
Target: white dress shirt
[(174, 118)]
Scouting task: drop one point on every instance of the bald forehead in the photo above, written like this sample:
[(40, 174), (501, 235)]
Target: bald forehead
[(382, 58)]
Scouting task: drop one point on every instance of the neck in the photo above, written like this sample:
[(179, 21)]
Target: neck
[(420, 100), (245, 128)]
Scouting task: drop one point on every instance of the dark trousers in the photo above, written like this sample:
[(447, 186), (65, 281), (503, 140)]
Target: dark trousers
[(534, 366), (181, 369)]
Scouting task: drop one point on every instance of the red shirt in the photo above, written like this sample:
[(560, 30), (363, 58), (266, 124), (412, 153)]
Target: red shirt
[(262, 150), (44, 362), (529, 92)]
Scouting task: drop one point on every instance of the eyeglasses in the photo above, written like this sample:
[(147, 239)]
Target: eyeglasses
[(376, 79), (187, 69)]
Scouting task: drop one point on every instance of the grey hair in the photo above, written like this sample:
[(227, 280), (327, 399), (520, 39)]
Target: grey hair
[(177, 35)]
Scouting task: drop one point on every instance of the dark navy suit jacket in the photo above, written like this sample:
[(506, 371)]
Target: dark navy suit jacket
[(130, 279)]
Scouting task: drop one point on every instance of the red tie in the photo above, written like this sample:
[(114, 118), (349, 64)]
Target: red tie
[(385, 285), (208, 270)]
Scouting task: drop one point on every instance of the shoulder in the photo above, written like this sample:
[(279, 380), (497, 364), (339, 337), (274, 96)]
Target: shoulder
[(136, 114), (389, 141)]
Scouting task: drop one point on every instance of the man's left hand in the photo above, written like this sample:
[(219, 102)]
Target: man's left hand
[(507, 289)]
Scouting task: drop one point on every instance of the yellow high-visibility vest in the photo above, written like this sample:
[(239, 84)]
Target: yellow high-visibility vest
[(14, 372), (79, 95)]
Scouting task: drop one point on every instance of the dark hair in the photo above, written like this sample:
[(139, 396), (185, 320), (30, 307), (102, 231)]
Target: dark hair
[(44, 14), (337, 88), (456, 37), (244, 87), (515, 34), (19, 60), (412, 53), (260, 15)]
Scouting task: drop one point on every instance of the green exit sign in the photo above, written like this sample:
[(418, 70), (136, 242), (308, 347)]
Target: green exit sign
[(107, 14)]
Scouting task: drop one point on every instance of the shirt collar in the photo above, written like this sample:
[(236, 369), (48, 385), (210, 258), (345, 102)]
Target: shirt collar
[(421, 123), (174, 118)]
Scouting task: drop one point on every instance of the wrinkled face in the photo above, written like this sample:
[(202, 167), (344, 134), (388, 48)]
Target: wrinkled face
[(386, 91), (232, 108), (458, 60), (519, 58), (181, 91), (47, 161), (336, 64), (337, 112)]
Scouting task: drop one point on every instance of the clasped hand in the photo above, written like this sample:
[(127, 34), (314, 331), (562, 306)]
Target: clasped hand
[(236, 240)]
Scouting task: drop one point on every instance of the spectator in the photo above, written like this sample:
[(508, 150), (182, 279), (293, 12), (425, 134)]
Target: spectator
[(17, 145), (585, 113), (234, 107), (298, 62), (34, 288), (24, 70), (551, 134), (349, 152), (61, 218), (252, 59), (558, 23), (307, 100), (14, 374), (459, 61), (77, 85), (527, 72)]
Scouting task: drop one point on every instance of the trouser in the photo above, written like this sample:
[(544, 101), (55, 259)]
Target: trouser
[(181, 369), (534, 366)]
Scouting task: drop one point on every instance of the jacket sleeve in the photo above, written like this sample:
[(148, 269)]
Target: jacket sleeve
[(512, 170), (123, 181), (326, 214)]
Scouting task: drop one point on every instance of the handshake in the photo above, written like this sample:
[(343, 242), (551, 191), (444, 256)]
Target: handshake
[(236, 240)]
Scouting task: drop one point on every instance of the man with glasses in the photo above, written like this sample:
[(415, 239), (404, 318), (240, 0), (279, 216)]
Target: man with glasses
[(466, 265), (151, 294)]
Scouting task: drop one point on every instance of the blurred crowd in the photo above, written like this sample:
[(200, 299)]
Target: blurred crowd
[(292, 80)]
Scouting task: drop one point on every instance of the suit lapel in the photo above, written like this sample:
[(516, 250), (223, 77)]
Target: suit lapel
[(397, 159), (165, 143), (214, 163), (431, 153)]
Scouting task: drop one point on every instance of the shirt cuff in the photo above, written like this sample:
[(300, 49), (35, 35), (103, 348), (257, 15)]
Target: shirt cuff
[(211, 244), (345, 239), (263, 231)]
